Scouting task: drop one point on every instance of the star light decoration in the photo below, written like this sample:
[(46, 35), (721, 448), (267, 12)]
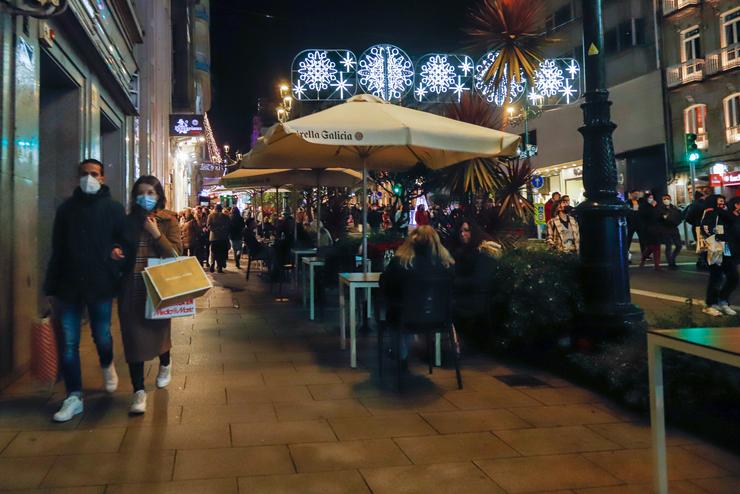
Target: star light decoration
[(557, 81), (385, 71), (324, 75), (443, 78), (496, 95)]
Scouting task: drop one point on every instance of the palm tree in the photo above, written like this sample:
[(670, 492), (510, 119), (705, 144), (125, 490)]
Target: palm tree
[(510, 27)]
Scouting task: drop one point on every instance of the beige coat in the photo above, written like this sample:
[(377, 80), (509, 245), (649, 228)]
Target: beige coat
[(144, 339)]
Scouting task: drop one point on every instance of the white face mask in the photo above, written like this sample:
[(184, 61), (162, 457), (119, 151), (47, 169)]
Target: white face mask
[(89, 184), (667, 202)]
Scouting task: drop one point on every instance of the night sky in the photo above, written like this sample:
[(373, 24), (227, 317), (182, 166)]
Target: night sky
[(253, 44)]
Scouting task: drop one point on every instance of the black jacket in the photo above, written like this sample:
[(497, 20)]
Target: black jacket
[(669, 217), (86, 228), (650, 232), (236, 227)]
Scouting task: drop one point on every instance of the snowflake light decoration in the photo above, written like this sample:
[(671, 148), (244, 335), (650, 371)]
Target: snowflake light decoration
[(438, 74), (548, 78), (385, 71), (319, 74), (497, 95), (442, 78)]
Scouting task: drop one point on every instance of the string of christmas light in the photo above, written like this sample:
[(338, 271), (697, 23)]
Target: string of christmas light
[(212, 147)]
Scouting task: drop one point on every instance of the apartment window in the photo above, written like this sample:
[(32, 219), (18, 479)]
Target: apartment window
[(731, 27), (732, 118), (690, 44), (561, 16), (695, 122)]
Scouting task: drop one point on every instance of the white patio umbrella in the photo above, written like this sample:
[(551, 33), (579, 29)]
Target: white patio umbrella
[(366, 132), (299, 177)]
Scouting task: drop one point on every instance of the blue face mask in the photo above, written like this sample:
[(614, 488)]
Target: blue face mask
[(148, 203)]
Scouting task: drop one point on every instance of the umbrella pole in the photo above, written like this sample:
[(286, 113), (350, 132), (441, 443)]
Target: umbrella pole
[(364, 215), (318, 212)]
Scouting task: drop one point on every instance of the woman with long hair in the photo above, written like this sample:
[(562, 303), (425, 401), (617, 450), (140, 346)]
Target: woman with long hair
[(421, 254), (152, 232)]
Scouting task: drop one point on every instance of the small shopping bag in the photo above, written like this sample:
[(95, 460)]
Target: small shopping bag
[(186, 308), (44, 351), (175, 280)]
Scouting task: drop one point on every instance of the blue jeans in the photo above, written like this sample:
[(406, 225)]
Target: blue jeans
[(70, 318)]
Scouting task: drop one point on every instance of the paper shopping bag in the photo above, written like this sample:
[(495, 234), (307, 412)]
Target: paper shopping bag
[(173, 281)]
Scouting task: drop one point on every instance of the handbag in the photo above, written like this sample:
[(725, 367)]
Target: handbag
[(45, 351), (173, 281)]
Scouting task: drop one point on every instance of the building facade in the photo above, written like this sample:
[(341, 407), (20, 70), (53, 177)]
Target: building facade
[(635, 88), (701, 50)]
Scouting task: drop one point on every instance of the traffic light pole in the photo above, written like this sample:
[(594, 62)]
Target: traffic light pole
[(602, 216)]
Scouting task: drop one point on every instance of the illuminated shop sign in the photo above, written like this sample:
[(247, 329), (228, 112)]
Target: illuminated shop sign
[(186, 125)]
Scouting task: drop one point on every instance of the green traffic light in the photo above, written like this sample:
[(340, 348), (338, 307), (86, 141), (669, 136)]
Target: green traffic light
[(693, 157)]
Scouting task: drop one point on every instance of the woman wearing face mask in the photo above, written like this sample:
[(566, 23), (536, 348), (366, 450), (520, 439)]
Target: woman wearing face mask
[(651, 231), (723, 277), (153, 232)]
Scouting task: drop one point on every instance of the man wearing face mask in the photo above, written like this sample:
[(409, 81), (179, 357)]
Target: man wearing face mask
[(669, 217), (84, 273)]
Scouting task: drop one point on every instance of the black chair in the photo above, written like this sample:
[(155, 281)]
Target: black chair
[(256, 252), (426, 309)]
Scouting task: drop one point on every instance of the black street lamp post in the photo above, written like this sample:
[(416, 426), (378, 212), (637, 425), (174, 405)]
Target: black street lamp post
[(602, 216)]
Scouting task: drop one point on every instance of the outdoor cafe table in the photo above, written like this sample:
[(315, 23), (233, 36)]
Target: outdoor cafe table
[(353, 281), (311, 263), (717, 344), (298, 253)]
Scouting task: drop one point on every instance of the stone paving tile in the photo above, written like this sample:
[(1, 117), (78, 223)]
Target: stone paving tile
[(113, 412), (228, 414), (720, 457), (5, 438), (423, 479), (244, 378), (60, 490), (301, 378), (212, 396), (473, 400), (632, 435), (177, 437), (347, 455), (395, 404), (397, 425), (545, 473), (210, 486), (306, 410), (725, 485), (111, 468), (260, 434), (454, 447), (232, 462), (252, 394), (554, 440), (31, 413), (557, 415), (343, 482), (635, 465), (474, 421), (24, 473), (675, 487), (40, 443), (562, 396), (339, 391)]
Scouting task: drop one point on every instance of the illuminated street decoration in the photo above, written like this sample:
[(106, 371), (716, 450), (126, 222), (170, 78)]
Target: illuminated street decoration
[(496, 95), (324, 75), (386, 71), (443, 78)]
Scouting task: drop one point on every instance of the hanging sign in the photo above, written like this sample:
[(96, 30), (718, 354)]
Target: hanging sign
[(537, 181), (186, 125), (715, 180)]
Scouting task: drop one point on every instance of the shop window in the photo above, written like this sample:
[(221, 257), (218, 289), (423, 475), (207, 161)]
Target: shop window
[(695, 122), (732, 118)]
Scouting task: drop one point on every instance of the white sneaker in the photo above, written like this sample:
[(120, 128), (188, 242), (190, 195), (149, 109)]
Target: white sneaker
[(725, 308), (70, 407), (138, 405), (110, 377), (712, 311), (165, 375)]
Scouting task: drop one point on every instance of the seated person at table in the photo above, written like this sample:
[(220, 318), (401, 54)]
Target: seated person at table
[(421, 255)]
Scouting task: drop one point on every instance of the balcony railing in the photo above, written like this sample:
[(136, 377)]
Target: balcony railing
[(690, 71), (725, 59), (733, 134), (670, 6)]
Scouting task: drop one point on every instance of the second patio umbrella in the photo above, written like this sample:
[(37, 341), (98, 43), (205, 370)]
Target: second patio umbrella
[(369, 133)]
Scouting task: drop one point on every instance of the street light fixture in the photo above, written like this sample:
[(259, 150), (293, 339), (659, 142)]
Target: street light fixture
[(288, 103), (284, 89)]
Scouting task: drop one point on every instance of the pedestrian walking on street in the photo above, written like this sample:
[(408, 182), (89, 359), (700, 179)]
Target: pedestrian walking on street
[(563, 233), (550, 204), (218, 228), (669, 217), (87, 251), (236, 232), (152, 232), (634, 224), (694, 215), (716, 226), (651, 234), (190, 233)]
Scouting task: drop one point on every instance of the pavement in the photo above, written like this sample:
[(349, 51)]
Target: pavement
[(264, 401)]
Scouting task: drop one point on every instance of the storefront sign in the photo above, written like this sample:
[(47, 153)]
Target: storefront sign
[(186, 125), (715, 180), (729, 179)]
